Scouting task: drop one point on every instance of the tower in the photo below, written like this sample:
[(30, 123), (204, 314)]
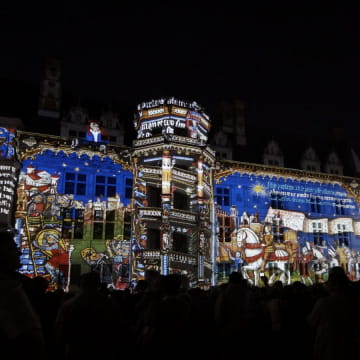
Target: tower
[(230, 135), (50, 95), (172, 191)]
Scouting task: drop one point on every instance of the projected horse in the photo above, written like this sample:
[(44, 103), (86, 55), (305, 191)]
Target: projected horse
[(254, 256)]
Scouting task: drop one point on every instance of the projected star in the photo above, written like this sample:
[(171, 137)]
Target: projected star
[(258, 189)]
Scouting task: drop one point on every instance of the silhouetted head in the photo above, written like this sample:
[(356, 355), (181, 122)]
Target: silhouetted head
[(9, 253), (40, 284), (235, 278), (141, 285), (153, 278), (338, 279), (171, 283), (90, 281)]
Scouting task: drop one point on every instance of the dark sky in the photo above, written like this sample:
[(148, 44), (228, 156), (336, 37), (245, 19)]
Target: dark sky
[(292, 65)]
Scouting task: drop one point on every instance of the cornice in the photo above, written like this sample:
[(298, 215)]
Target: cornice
[(231, 167)]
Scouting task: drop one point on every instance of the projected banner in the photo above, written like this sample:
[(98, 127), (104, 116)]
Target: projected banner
[(171, 117), (8, 181)]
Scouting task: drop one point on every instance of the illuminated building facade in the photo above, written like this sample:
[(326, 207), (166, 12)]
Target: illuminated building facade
[(166, 204), (286, 224), (9, 171), (72, 211), (85, 204), (173, 191)]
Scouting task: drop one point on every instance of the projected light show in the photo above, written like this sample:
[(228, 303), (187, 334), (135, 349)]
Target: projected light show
[(285, 225), (172, 190), (166, 204), (72, 211)]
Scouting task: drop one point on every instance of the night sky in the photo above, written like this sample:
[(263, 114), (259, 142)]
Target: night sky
[(293, 66)]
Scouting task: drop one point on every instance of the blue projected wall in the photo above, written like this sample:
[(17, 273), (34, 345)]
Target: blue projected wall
[(298, 227), (73, 216), (86, 178)]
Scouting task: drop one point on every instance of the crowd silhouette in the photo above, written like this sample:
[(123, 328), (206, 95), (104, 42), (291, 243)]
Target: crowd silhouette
[(164, 318)]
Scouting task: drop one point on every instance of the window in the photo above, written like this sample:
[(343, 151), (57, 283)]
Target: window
[(342, 235), (318, 233), (276, 201), (222, 196), (110, 215), (78, 230), (224, 228), (105, 186), (98, 214), (79, 224), (127, 225), (153, 239), (109, 230), (110, 224), (225, 233), (66, 214), (128, 188), (180, 201), (339, 207), (180, 242), (154, 196), (79, 214), (127, 231), (98, 231), (75, 183), (315, 204)]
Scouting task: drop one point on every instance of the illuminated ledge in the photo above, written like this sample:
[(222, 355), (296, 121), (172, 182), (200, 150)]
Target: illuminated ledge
[(157, 149), (151, 254), (151, 214), (183, 175), (148, 141), (30, 145), (183, 216), (177, 257), (174, 257), (230, 167), (155, 214)]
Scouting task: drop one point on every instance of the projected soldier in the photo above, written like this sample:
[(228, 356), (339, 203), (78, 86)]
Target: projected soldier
[(57, 253), (268, 239)]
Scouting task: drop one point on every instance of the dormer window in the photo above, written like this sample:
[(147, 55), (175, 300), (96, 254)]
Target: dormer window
[(310, 161), (333, 164), (273, 154)]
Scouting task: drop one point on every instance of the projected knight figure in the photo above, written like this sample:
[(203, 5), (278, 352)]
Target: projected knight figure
[(95, 132)]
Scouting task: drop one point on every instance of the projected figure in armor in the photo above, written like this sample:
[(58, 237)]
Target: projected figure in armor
[(95, 132), (50, 243)]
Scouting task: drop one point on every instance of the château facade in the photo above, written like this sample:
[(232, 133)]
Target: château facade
[(168, 203)]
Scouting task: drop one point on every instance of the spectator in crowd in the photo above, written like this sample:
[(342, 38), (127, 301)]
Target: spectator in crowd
[(21, 333)]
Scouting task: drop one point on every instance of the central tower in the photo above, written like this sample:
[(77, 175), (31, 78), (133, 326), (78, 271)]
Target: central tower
[(172, 205)]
